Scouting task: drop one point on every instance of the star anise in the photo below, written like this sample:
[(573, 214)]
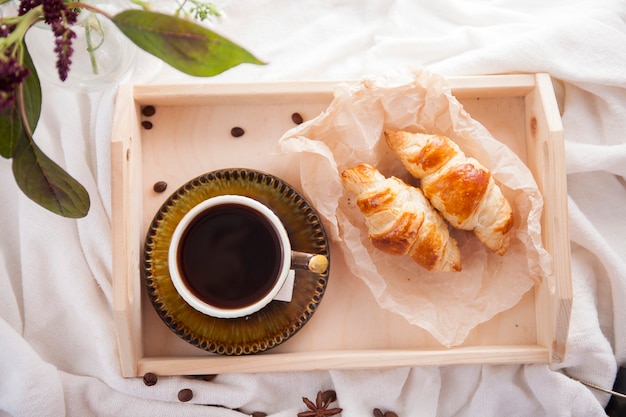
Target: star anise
[(320, 408)]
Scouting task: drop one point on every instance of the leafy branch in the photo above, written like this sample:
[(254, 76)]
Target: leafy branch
[(190, 48), (198, 9)]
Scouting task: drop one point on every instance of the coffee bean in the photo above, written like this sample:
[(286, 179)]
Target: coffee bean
[(150, 379), (185, 395), (329, 396), (258, 414), (237, 132), (146, 124), (297, 118), (148, 111), (159, 186)]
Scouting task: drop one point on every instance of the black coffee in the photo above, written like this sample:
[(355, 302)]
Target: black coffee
[(230, 256)]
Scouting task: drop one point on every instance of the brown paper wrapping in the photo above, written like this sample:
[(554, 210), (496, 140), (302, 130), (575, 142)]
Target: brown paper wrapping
[(446, 304)]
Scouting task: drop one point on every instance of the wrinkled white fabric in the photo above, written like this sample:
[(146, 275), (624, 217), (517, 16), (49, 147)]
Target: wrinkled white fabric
[(58, 354)]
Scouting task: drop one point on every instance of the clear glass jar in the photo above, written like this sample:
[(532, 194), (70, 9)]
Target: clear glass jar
[(102, 55)]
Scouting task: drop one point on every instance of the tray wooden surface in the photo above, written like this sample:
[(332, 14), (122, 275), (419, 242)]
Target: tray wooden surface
[(190, 135)]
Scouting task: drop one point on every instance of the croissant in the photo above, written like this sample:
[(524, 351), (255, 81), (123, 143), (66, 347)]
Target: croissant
[(459, 187), (400, 220)]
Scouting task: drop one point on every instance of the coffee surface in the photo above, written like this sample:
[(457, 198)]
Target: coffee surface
[(230, 256)]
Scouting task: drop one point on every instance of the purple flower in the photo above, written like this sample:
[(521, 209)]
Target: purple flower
[(60, 18), (56, 12), (27, 5), (11, 75), (5, 30), (63, 49)]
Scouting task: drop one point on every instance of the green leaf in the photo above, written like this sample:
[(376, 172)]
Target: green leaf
[(46, 183), (11, 126), (10, 130), (186, 46), (32, 92)]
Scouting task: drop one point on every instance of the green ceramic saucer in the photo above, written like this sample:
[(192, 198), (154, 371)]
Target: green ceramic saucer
[(276, 322)]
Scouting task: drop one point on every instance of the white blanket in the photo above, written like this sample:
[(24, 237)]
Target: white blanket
[(58, 354)]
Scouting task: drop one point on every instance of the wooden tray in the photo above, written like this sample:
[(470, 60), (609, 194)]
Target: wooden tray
[(190, 135)]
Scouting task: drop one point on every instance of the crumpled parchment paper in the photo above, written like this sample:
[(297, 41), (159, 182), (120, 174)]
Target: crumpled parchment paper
[(446, 304)]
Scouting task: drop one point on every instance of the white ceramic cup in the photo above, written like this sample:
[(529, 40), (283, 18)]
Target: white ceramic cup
[(230, 255)]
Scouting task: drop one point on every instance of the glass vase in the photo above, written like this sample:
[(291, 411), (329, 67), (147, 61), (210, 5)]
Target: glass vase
[(102, 55)]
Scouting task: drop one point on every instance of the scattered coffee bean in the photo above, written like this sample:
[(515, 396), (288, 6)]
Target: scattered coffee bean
[(237, 132), (379, 413), (159, 186), (297, 118), (258, 414), (148, 111), (185, 395), (150, 379), (329, 396), (146, 124)]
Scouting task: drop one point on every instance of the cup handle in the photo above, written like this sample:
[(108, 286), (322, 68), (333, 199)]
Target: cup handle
[(318, 264)]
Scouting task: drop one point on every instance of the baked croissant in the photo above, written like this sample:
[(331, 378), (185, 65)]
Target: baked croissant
[(461, 188), (400, 220)]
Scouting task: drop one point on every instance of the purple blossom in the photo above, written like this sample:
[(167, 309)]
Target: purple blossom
[(63, 49), (11, 75), (56, 12), (60, 18), (5, 30), (27, 5)]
